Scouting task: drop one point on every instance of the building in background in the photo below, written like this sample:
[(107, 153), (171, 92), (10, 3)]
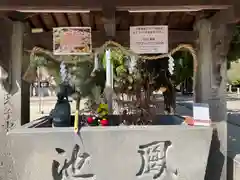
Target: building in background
[(45, 84)]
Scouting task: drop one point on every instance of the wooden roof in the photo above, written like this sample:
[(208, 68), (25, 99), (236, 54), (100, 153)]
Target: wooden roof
[(119, 4), (124, 19), (180, 24)]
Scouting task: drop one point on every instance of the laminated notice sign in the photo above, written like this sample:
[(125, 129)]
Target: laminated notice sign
[(201, 114), (72, 40), (149, 39)]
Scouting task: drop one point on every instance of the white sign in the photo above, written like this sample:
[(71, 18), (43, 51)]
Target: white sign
[(201, 114), (149, 39)]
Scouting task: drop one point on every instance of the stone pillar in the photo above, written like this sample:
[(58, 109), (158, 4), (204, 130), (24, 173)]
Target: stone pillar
[(5, 63), (221, 38), (204, 58), (11, 94), (210, 88)]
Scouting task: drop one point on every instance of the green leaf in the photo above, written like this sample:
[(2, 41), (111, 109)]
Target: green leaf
[(121, 69), (130, 79)]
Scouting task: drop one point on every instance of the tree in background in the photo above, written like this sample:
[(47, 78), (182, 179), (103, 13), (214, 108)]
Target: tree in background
[(233, 58), (184, 62), (183, 68), (234, 50)]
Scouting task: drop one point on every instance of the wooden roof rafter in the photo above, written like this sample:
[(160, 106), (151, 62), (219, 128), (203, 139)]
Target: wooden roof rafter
[(180, 24), (54, 19), (61, 19), (42, 22), (48, 20), (118, 4), (123, 19)]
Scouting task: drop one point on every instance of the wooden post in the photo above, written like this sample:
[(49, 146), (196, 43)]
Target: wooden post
[(25, 93), (211, 87), (109, 22), (17, 65), (26, 86)]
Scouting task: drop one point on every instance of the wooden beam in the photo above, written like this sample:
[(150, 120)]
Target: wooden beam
[(109, 22), (175, 37), (137, 19), (224, 16), (85, 19), (229, 15), (236, 10), (98, 4), (149, 18), (18, 16), (123, 19)]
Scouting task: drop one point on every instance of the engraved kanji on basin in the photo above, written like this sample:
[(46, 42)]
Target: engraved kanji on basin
[(73, 168), (154, 161)]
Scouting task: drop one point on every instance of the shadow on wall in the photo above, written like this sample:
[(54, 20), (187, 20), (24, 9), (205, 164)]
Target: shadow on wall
[(230, 169), (215, 160), (233, 144)]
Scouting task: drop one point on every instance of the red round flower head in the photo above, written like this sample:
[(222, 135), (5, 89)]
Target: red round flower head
[(90, 120), (104, 122)]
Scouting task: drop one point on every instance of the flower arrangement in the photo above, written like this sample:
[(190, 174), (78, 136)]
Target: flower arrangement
[(87, 78), (100, 119)]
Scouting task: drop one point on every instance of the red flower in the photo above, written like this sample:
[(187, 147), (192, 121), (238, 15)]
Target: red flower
[(90, 120), (189, 120), (104, 122)]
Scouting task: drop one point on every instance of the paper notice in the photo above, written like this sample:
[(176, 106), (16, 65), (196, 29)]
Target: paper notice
[(201, 114)]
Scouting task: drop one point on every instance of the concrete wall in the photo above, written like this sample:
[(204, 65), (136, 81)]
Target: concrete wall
[(107, 153)]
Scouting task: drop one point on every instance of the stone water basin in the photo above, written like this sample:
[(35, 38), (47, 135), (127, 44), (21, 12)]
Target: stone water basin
[(165, 152)]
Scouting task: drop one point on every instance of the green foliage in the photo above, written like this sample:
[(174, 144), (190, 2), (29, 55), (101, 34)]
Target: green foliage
[(117, 58), (236, 82), (233, 74), (91, 86), (124, 82), (38, 61), (84, 83), (102, 110), (53, 68), (234, 49), (184, 69)]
